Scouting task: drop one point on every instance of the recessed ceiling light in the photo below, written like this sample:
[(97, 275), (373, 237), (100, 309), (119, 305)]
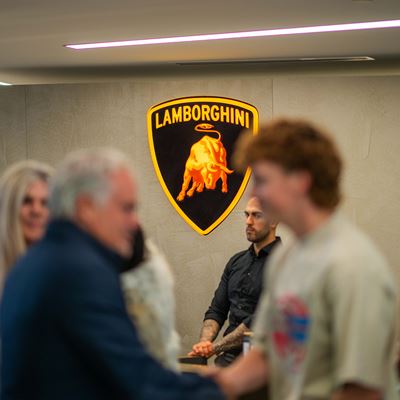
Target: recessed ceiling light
[(277, 60), (239, 35), (5, 84)]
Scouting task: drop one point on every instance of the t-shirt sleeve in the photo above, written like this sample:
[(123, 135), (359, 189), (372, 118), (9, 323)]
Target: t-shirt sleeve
[(363, 302)]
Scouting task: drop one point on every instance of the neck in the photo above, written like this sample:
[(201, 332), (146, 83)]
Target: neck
[(310, 220), (265, 242)]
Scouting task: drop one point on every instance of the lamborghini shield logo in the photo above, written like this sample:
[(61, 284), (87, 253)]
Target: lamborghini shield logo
[(191, 142)]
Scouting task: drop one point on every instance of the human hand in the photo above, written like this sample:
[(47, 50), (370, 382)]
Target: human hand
[(203, 349)]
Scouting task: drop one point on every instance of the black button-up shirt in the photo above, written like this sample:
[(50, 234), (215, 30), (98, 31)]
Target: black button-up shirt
[(240, 288)]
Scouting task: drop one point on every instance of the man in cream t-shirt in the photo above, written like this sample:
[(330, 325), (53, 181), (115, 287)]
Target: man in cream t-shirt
[(325, 325), (330, 317)]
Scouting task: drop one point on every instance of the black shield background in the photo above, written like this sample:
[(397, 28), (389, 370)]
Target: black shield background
[(172, 145)]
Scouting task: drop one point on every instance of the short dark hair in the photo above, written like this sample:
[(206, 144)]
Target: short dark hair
[(296, 145)]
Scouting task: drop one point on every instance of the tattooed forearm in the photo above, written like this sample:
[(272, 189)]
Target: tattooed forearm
[(209, 331), (231, 341)]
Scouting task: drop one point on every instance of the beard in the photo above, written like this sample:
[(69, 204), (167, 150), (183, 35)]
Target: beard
[(256, 237)]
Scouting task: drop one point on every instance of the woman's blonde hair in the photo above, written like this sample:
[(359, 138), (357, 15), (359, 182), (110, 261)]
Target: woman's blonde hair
[(13, 186)]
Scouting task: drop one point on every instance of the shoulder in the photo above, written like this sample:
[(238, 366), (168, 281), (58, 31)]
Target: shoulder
[(237, 256), (158, 263), (152, 278), (72, 266), (350, 245), (355, 259), (234, 259)]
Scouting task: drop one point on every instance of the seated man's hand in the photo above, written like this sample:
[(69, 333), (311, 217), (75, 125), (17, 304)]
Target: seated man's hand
[(203, 349)]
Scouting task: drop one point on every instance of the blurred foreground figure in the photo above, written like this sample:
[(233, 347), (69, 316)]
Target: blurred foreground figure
[(325, 327), (65, 330)]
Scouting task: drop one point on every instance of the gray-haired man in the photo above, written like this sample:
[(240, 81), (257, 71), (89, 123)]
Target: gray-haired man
[(64, 327)]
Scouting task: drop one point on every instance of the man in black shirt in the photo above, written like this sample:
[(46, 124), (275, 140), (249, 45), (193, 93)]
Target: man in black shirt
[(239, 290)]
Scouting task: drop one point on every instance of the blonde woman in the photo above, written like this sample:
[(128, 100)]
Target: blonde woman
[(23, 210)]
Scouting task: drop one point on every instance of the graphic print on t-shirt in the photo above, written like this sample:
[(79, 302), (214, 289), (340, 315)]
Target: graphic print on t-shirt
[(291, 320)]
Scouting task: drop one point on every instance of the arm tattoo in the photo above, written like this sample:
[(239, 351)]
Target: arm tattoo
[(210, 330), (233, 340)]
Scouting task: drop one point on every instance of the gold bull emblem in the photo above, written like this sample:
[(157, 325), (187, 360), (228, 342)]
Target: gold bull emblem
[(206, 164)]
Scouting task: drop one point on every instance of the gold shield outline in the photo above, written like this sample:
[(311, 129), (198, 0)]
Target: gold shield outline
[(242, 188)]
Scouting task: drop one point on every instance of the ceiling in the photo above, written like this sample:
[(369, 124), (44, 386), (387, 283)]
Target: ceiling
[(32, 33)]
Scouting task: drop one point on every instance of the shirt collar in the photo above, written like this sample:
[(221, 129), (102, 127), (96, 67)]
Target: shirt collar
[(266, 249), (63, 228)]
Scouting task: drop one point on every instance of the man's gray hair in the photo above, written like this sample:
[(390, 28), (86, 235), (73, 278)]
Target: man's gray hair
[(84, 172)]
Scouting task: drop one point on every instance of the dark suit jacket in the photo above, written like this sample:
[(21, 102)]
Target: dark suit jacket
[(66, 333)]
